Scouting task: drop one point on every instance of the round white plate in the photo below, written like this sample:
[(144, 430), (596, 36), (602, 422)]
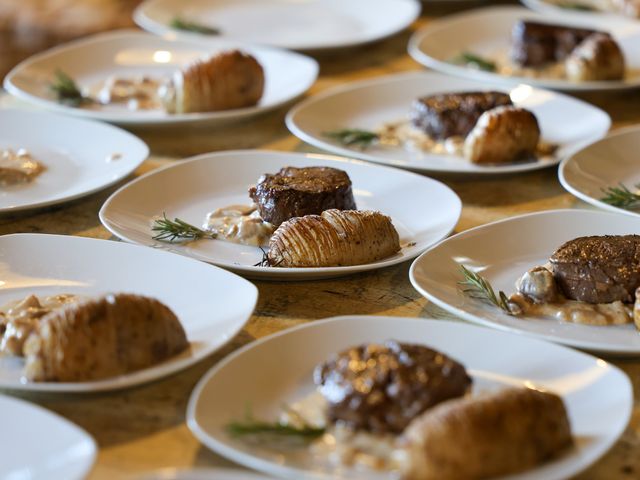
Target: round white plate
[(212, 304), (37, 444), (487, 32), (501, 252), (368, 105), (307, 25), (91, 60), (77, 155), (203, 474), (423, 210), (597, 395), (553, 8), (608, 163)]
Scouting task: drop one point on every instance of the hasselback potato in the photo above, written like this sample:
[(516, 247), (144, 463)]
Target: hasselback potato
[(334, 238)]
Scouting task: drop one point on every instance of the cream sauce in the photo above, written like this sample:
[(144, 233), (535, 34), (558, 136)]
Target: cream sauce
[(138, 93), (405, 135), (239, 224), (18, 167), (599, 314), (19, 318)]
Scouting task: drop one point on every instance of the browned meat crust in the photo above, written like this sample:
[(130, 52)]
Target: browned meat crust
[(598, 269), (296, 192), (381, 388)]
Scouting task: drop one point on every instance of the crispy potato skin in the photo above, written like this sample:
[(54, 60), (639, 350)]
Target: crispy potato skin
[(103, 337), (334, 238), (481, 437), (597, 58), (502, 135)]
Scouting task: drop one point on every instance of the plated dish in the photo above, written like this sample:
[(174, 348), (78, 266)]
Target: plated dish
[(398, 213), (63, 450), (46, 159), (517, 46), (566, 301), (135, 78), (626, 8), (420, 120), (610, 185), (61, 293), (316, 24), (217, 418)]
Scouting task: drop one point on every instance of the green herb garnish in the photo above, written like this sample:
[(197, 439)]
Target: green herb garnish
[(577, 6), (67, 91), (252, 427), (621, 197), (468, 58), (478, 287), (353, 137), (177, 230), (182, 24)]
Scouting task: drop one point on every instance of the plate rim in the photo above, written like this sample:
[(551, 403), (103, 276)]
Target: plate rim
[(618, 132), (138, 377), (290, 273), (301, 134), (55, 116), (414, 9), (415, 52), (82, 434), (477, 320), (286, 472), (125, 118)]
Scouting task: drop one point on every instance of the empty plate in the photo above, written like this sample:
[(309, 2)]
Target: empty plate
[(36, 444), (371, 104), (312, 24), (131, 54), (611, 163), (502, 252), (79, 157), (212, 304), (597, 395), (422, 210), (486, 33)]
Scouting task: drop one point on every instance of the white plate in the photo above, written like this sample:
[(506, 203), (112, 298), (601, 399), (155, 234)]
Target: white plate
[(487, 32), (368, 105), (129, 53), (76, 154), (501, 252), (552, 8), (212, 304), (203, 474), (608, 163), (597, 395), (423, 210), (36, 444), (311, 24)]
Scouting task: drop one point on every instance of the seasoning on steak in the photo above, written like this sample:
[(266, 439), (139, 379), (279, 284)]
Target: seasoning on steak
[(454, 114), (533, 44), (598, 269), (381, 388), (296, 192)]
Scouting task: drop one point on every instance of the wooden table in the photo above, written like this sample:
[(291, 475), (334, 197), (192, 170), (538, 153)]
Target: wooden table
[(143, 428)]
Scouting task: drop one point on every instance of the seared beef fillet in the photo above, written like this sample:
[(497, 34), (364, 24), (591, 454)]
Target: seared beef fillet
[(449, 114), (533, 44), (598, 269), (381, 388), (296, 192)]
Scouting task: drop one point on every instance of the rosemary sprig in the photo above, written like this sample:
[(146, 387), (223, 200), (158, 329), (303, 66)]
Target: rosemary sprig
[(468, 58), (353, 137), (67, 91), (576, 6), (621, 197), (252, 427), (182, 24), (476, 286), (175, 230)]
